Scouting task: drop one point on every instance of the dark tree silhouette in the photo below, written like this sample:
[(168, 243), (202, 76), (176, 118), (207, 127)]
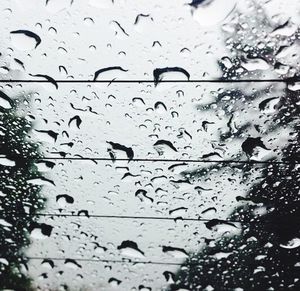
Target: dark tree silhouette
[(19, 200), (266, 255)]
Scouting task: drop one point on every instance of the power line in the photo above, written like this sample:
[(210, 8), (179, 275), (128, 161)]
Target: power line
[(125, 217), (271, 80), (85, 214), (160, 160), (110, 261)]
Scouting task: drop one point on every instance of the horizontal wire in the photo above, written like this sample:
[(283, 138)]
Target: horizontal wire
[(162, 160), (125, 217), (109, 261), (168, 218), (178, 218), (284, 80)]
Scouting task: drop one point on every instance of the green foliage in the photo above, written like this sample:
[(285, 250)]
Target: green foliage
[(19, 200), (262, 256)]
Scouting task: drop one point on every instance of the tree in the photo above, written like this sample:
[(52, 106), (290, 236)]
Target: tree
[(266, 255), (19, 199)]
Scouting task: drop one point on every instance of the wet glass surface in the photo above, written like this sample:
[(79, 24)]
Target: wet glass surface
[(149, 145)]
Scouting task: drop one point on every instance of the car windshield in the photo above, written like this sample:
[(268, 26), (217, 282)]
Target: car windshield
[(149, 145)]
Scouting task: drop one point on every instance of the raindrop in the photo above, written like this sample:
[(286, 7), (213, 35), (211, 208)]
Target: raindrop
[(70, 263), (211, 12), (139, 16), (251, 143), (119, 28), (138, 101), (175, 252), (40, 230), (156, 43), (221, 255), (77, 120), (4, 70), (262, 105), (7, 162), (160, 107), (162, 144), (178, 212), (160, 72), (55, 6), (213, 154), (129, 176), (5, 101), (99, 249), (63, 70), (114, 282), (255, 64), (44, 166), (220, 225), (293, 84), (48, 78), (209, 211), (4, 261), (144, 288), (205, 123), (4, 223), (116, 146), (49, 133), (25, 39), (19, 65), (199, 189), (292, 244), (64, 198), (174, 114), (52, 31), (88, 21), (41, 181), (281, 68), (196, 3), (48, 263), (285, 29), (170, 277), (142, 195), (83, 213), (130, 249), (118, 68)]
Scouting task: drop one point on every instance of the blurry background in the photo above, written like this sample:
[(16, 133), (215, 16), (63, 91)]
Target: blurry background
[(115, 208)]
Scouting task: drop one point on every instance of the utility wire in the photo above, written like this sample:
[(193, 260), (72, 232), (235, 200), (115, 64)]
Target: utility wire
[(111, 261), (160, 160), (271, 80), (87, 215)]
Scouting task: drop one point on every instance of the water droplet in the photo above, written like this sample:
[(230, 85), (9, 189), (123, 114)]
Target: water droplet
[(25, 39), (208, 13), (175, 252), (292, 244), (130, 249), (72, 264)]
